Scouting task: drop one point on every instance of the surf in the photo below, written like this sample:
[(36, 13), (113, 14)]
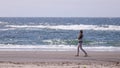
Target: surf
[(67, 27)]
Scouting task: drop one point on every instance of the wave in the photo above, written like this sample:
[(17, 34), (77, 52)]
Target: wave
[(3, 23), (53, 48), (67, 27)]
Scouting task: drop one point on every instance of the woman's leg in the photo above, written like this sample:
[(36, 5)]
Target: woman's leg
[(83, 50), (78, 49)]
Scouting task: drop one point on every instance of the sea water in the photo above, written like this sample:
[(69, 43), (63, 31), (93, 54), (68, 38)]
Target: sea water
[(59, 33)]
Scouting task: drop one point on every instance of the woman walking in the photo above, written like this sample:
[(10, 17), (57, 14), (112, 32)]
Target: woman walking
[(80, 41)]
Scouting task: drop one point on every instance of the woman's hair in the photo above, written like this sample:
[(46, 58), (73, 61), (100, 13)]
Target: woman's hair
[(81, 31)]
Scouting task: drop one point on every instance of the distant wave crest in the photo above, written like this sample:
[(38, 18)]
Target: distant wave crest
[(67, 27), (3, 22)]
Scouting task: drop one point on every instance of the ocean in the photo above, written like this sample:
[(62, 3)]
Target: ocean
[(58, 33)]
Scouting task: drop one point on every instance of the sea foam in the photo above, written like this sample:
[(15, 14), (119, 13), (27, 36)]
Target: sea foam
[(67, 27), (53, 48)]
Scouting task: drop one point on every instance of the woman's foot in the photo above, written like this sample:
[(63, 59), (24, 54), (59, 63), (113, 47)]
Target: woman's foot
[(76, 55), (86, 55)]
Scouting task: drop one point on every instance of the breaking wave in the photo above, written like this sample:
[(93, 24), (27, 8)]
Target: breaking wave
[(67, 27), (53, 48)]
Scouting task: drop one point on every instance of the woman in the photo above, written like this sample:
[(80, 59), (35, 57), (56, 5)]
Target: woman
[(80, 37)]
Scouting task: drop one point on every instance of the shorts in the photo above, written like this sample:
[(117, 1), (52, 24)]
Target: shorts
[(80, 43)]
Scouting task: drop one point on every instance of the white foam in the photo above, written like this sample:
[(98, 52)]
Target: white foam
[(67, 27), (3, 22), (53, 48), (4, 29)]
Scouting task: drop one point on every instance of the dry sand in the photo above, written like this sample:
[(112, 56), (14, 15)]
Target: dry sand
[(59, 59)]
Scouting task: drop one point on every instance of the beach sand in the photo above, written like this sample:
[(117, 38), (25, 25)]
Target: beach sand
[(59, 59)]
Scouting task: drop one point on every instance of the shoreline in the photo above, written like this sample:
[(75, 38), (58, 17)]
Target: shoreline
[(48, 48), (58, 59)]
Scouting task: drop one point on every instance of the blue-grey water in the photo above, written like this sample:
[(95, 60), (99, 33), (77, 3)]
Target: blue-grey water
[(59, 32)]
